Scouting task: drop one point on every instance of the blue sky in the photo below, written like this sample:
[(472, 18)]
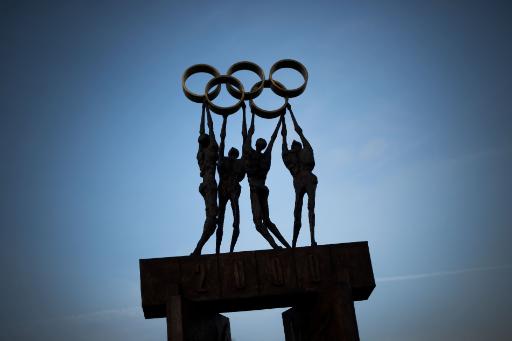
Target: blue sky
[(407, 107)]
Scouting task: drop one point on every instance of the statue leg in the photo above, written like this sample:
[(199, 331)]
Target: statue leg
[(297, 214), (266, 218), (223, 200), (258, 220), (311, 190), (236, 220), (209, 193)]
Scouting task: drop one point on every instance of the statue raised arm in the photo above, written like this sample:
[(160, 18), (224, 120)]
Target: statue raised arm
[(298, 129), (210, 125), (244, 124), (222, 137), (273, 137), (247, 146), (284, 133), (201, 124)]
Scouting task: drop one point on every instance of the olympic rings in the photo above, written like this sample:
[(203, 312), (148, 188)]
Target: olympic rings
[(236, 89), (227, 80), (281, 90), (267, 113), (250, 66), (196, 69)]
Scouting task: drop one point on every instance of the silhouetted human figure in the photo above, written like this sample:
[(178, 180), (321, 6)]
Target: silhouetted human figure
[(207, 156), (257, 165), (231, 171), (300, 161)]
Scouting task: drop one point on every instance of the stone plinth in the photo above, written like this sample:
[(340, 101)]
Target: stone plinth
[(315, 281)]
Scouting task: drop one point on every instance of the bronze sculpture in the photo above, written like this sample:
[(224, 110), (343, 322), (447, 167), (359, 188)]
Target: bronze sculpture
[(231, 172), (257, 165), (255, 162), (207, 156), (300, 161), (319, 283)]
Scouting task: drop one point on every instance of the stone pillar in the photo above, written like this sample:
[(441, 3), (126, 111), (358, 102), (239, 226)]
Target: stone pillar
[(189, 323), (328, 315), (175, 319), (207, 326)]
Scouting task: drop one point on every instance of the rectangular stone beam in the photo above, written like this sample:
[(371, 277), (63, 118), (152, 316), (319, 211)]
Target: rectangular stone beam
[(256, 279)]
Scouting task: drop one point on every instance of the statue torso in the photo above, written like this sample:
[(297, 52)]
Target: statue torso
[(231, 171), (257, 166), (207, 160), (298, 162)]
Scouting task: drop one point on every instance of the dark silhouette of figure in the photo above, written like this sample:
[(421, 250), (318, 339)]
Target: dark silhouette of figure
[(257, 165), (231, 172), (300, 161), (207, 156)]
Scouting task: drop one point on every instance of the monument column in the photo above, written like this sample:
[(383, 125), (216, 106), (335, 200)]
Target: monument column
[(187, 322), (328, 315), (174, 313)]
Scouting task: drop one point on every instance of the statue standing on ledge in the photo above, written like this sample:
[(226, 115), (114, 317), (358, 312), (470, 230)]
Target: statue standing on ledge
[(257, 165), (255, 161), (300, 161), (231, 172), (207, 156)]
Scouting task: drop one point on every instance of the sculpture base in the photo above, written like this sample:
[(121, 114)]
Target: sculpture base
[(320, 283)]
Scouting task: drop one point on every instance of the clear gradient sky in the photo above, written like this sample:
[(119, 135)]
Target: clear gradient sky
[(408, 108)]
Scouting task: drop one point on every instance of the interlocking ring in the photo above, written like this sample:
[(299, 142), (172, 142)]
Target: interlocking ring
[(281, 90), (225, 79), (236, 89), (268, 113), (196, 69), (250, 66)]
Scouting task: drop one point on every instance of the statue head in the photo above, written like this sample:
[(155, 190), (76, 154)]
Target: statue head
[(260, 144), (204, 140), (296, 146), (233, 153)]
